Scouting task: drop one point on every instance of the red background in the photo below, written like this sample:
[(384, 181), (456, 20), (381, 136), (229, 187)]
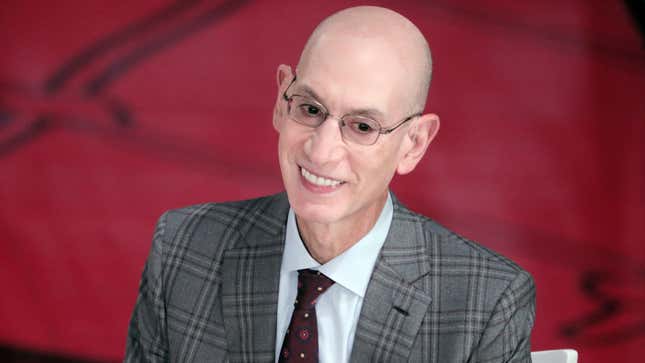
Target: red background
[(112, 112)]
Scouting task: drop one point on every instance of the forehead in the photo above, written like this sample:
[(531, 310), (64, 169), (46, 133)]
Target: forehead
[(355, 73)]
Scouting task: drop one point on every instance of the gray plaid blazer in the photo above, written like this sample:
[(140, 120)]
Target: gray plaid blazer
[(209, 292)]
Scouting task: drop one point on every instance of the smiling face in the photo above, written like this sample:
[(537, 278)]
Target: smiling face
[(328, 179)]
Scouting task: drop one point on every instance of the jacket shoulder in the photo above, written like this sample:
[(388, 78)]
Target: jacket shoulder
[(460, 250), (205, 226)]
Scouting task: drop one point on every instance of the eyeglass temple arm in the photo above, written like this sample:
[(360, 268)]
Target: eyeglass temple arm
[(284, 95), (387, 131)]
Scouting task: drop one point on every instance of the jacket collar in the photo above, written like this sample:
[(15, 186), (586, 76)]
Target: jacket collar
[(395, 303)]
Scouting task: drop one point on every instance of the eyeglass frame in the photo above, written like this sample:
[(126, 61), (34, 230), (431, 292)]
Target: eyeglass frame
[(381, 130)]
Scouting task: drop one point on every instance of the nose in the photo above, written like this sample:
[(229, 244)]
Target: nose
[(325, 145)]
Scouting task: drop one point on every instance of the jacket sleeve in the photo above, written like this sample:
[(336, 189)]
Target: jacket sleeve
[(147, 339), (507, 336)]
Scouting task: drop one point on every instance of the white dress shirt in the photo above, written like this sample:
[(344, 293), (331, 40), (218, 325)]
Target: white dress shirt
[(338, 309)]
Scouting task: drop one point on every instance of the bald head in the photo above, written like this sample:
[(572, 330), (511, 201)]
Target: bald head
[(377, 40)]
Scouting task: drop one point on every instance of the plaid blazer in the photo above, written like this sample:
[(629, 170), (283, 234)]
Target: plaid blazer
[(209, 292)]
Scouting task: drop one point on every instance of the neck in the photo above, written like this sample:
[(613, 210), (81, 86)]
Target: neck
[(324, 241)]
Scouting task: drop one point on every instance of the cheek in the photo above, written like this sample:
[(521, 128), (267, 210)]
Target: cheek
[(290, 144), (285, 140), (375, 169)]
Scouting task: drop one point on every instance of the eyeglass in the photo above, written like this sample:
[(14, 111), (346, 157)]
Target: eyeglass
[(355, 128)]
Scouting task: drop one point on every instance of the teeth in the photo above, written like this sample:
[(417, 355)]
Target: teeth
[(318, 180)]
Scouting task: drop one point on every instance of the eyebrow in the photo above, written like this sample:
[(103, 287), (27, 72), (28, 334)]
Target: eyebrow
[(374, 113)]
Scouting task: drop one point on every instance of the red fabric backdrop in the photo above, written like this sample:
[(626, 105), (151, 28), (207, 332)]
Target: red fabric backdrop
[(112, 112)]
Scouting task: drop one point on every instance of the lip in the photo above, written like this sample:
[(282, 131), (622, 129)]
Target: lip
[(318, 189)]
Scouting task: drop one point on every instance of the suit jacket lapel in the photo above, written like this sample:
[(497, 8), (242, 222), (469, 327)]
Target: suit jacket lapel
[(250, 283), (395, 302)]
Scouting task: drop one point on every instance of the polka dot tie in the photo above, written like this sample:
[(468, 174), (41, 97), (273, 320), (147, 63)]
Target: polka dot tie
[(301, 340)]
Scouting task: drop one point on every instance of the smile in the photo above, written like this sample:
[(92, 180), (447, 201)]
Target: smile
[(319, 180)]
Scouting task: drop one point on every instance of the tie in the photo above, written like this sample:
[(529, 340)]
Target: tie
[(301, 341)]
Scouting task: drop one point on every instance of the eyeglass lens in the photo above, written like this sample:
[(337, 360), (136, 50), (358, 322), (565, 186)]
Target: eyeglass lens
[(355, 128)]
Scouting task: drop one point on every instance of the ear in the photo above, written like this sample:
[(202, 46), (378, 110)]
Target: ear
[(284, 75), (419, 136)]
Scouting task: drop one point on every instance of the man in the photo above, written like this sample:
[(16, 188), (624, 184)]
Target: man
[(337, 269)]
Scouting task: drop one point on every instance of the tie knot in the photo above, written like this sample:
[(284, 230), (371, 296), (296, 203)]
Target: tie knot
[(311, 284)]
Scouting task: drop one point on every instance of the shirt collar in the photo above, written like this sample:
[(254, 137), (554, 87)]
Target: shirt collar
[(351, 269)]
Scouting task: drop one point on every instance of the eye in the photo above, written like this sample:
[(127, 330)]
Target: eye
[(309, 110), (362, 127)]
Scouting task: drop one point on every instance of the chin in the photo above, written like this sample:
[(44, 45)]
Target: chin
[(315, 212)]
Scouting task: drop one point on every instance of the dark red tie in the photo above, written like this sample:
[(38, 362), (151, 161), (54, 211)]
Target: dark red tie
[(301, 340)]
